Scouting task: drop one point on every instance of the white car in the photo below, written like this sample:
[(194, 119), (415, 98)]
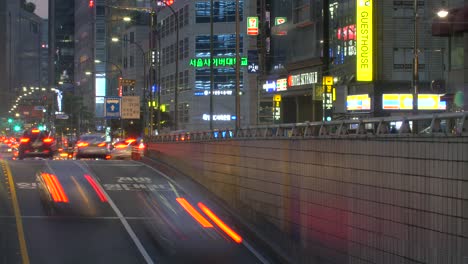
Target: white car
[(123, 149)]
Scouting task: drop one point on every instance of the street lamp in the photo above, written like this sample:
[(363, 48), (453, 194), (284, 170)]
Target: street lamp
[(143, 54), (442, 13)]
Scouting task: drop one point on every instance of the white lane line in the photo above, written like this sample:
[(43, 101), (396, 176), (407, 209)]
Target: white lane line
[(124, 221), (244, 242), (79, 217)]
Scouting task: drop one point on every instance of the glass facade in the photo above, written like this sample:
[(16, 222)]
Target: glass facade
[(224, 11), (224, 79), (223, 45)]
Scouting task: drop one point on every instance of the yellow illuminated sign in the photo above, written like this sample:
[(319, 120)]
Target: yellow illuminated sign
[(364, 65), (405, 102), (358, 102), (327, 80), (277, 98)]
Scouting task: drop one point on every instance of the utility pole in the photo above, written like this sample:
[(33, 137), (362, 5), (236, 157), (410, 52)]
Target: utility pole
[(238, 117), (211, 64), (415, 75), (152, 75)]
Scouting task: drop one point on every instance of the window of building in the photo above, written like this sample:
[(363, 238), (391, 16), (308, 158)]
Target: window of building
[(186, 48), (301, 11), (223, 45), (186, 80), (172, 53), (125, 62), (131, 61), (181, 49), (33, 27), (180, 17), (224, 79), (224, 11), (404, 9), (183, 110), (186, 15), (132, 37), (171, 24), (403, 59)]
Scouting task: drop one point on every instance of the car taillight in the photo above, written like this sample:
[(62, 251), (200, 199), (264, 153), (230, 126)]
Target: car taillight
[(120, 146), (35, 131), (47, 140), (103, 144), (24, 140), (141, 146), (82, 144), (130, 140)]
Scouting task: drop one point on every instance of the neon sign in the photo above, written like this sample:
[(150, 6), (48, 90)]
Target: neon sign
[(364, 65), (218, 62)]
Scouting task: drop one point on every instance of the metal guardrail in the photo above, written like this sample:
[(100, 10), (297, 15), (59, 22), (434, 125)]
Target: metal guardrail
[(445, 124)]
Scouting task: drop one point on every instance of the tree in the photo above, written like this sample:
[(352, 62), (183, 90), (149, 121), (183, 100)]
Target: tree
[(28, 6)]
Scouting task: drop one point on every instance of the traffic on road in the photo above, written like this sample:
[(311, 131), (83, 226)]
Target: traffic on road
[(111, 211)]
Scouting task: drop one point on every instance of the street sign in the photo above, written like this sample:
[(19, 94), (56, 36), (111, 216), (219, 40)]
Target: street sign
[(130, 107), (61, 116), (252, 26), (112, 107)]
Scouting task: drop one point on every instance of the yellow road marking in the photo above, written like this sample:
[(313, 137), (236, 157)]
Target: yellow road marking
[(16, 210)]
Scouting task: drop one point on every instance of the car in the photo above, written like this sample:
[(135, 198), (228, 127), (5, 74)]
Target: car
[(37, 143), (128, 149), (92, 146)]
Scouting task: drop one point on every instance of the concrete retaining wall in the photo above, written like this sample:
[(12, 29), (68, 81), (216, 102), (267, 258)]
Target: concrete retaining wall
[(342, 200)]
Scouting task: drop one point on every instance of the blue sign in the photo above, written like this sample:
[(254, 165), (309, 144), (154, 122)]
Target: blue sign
[(112, 107)]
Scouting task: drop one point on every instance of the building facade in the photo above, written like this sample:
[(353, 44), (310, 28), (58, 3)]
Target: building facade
[(20, 52), (62, 42), (193, 78), (381, 49)]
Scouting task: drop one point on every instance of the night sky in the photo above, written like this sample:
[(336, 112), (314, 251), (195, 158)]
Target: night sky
[(41, 7)]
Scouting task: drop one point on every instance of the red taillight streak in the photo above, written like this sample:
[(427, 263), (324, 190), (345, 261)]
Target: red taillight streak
[(102, 144), (130, 140), (120, 146), (59, 188), (141, 146), (55, 188), (194, 213), (51, 187), (35, 131), (47, 140), (24, 140), (96, 188), (220, 223), (82, 144)]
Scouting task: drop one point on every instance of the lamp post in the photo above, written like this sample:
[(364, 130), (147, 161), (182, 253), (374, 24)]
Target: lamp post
[(237, 67), (143, 54)]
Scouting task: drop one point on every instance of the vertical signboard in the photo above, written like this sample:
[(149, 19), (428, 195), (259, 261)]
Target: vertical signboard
[(252, 26), (364, 65), (130, 107), (327, 98)]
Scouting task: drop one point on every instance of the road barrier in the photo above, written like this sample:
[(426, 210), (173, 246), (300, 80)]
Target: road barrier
[(443, 125)]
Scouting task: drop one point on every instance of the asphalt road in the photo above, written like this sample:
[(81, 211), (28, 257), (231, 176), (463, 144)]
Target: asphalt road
[(116, 212)]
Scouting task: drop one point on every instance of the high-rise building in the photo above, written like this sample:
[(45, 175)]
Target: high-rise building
[(61, 43), (193, 78), (20, 51)]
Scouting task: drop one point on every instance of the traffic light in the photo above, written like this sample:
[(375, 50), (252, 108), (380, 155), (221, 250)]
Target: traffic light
[(169, 2), (91, 3), (10, 120), (16, 128)]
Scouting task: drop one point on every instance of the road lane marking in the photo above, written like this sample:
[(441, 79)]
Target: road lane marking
[(17, 211), (123, 220)]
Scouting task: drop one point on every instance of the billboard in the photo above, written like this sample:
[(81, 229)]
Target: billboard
[(130, 107), (364, 45), (405, 102), (358, 102)]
